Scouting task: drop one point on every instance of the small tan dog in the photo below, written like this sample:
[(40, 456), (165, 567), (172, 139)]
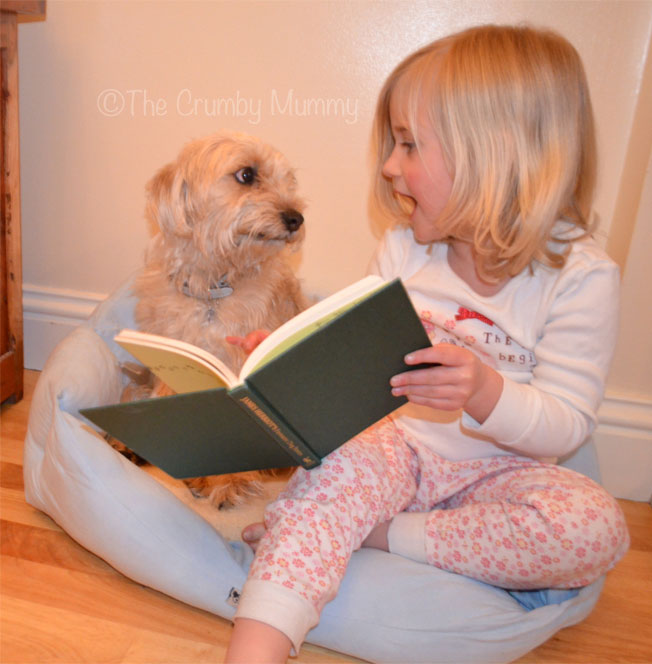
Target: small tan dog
[(224, 212)]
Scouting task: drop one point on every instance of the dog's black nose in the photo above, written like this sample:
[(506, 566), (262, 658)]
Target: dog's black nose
[(292, 219)]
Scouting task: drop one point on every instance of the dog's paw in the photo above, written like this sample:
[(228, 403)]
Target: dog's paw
[(227, 491), (125, 451)]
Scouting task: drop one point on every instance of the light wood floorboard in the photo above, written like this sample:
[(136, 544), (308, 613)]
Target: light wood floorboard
[(61, 604)]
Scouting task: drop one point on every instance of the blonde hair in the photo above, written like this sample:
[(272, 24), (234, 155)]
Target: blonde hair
[(511, 109)]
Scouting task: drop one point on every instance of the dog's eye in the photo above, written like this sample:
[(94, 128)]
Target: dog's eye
[(245, 175)]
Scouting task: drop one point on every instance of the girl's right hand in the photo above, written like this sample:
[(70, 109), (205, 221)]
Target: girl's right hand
[(457, 379), (249, 342)]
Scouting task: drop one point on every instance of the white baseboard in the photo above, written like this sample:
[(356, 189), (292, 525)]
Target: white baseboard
[(623, 439), (49, 314), (623, 436)]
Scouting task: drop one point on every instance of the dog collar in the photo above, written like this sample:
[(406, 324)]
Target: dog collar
[(215, 293)]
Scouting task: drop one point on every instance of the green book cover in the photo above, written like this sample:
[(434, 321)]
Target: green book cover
[(335, 383), (193, 434), (293, 409)]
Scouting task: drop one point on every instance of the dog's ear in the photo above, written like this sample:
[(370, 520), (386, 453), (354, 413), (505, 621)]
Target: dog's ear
[(166, 201)]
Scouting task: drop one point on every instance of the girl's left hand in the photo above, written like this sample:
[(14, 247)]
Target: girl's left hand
[(462, 381), (249, 342)]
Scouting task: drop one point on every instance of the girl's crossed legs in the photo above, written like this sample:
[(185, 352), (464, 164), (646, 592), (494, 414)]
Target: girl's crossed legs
[(510, 521)]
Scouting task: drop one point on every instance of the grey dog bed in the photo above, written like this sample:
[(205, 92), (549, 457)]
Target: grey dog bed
[(389, 609)]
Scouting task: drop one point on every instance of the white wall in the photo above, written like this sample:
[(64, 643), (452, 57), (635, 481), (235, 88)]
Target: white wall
[(623, 438), (85, 160)]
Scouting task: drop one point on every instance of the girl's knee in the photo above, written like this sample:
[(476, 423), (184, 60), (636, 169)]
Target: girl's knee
[(606, 516), (589, 527), (577, 529)]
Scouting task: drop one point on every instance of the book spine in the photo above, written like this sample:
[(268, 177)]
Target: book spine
[(253, 404)]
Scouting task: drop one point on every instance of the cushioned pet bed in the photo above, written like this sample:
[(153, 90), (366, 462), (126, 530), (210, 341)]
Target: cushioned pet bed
[(389, 609)]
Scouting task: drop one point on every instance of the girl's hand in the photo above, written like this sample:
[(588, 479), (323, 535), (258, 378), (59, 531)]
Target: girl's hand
[(249, 342), (462, 381)]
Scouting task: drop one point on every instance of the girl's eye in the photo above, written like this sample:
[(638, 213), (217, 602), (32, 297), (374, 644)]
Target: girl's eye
[(407, 146), (245, 175)]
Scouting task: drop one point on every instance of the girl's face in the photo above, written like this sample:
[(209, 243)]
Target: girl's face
[(418, 174)]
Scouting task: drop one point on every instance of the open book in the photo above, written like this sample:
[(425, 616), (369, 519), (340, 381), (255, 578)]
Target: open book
[(187, 368), (314, 383)]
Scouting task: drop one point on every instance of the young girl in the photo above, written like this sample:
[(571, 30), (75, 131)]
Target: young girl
[(485, 153)]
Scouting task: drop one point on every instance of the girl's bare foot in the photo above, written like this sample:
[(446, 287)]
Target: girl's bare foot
[(253, 533)]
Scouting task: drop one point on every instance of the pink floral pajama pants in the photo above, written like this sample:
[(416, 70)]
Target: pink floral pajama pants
[(509, 521)]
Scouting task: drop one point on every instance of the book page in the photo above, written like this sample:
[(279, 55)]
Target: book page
[(181, 366), (308, 321)]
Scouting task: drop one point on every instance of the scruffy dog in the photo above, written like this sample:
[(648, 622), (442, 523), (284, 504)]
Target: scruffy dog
[(224, 212)]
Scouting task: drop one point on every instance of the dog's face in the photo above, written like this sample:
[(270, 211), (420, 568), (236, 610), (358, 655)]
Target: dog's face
[(228, 200)]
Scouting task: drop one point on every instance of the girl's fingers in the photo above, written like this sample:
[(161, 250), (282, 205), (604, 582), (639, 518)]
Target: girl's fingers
[(461, 380), (447, 385), (446, 354), (445, 392), (433, 376), (450, 365), (235, 341), (249, 342)]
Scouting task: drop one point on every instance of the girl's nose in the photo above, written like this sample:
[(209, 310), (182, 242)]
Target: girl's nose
[(390, 167)]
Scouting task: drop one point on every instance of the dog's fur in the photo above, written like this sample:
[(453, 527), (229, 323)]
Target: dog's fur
[(224, 212)]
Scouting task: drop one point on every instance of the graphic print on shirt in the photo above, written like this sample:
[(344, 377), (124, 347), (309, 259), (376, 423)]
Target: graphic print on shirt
[(470, 329)]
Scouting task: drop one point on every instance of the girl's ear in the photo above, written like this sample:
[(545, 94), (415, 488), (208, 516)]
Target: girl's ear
[(167, 201)]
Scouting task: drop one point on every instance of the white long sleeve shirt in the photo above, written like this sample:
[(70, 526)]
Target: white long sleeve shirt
[(550, 333)]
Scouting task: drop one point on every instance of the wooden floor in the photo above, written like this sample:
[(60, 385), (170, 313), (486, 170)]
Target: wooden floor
[(62, 604)]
